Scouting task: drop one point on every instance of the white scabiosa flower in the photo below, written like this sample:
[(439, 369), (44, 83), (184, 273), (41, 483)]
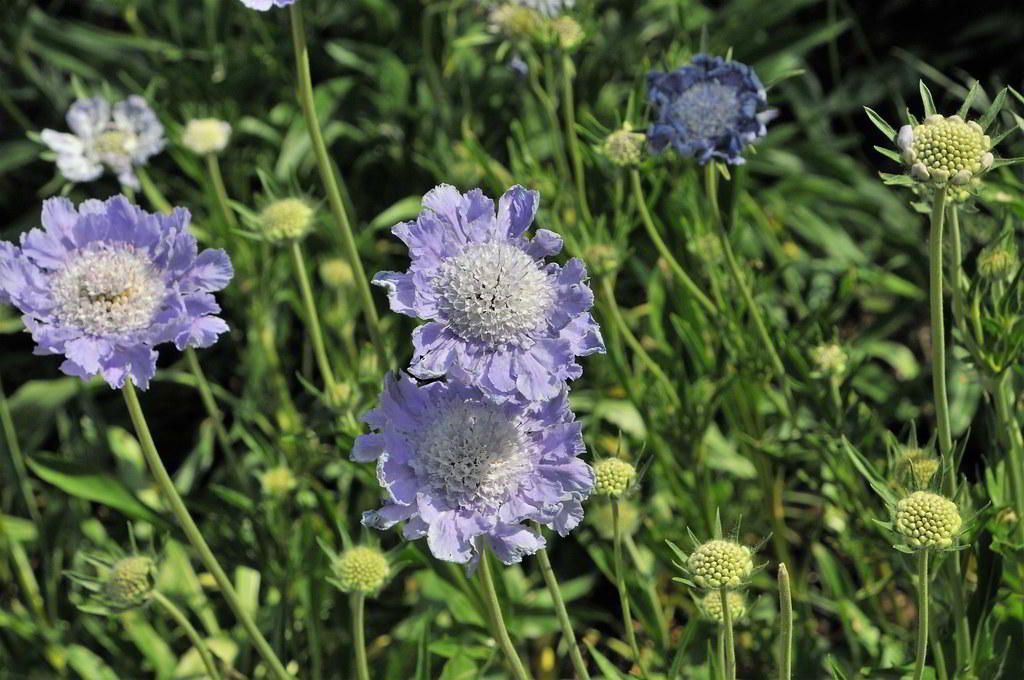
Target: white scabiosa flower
[(119, 138), (205, 136)]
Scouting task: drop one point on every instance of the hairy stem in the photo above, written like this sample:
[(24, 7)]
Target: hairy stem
[(358, 605), (1015, 458), (938, 326), (578, 664), (221, 193), (785, 625), (730, 645)]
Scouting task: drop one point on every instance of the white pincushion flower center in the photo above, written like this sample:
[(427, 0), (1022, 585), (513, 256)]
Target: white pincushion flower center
[(108, 291), (114, 143), (494, 294), (472, 453), (706, 110)]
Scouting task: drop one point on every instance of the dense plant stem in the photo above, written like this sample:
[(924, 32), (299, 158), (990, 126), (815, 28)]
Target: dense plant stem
[(785, 625), (1015, 457), (316, 334), (497, 621), (711, 187), (358, 605), (620, 581), (569, 110), (938, 328), (17, 457), (578, 664), (195, 537), (730, 645), (922, 613), (330, 182), (221, 193), (193, 635), (681, 276), (210, 404)]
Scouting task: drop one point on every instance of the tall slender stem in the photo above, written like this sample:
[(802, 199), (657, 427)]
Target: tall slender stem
[(956, 270), (569, 110), (652, 592), (193, 635), (1015, 458), (497, 622), (620, 581), (785, 625), (210, 404), (578, 663), (220, 192), (195, 537), (330, 182), (17, 457), (152, 193), (358, 604), (313, 324), (681, 276), (922, 613), (938, 328), (730, 645)]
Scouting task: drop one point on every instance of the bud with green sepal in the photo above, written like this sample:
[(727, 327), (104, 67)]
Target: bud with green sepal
[(710, 606), (121, 581)]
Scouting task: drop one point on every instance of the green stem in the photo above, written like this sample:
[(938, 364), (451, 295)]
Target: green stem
[(311, 606), (197, 641), (574, 143), (313, 324), (221, 194), (620, 581), (922, 613), (330, 182), (721, 653), (938, 328), (18, 458), (497, 622), (711, 187), (730, 645), (210, 404), (358, 604), (563, 616), (547, 103), (785, 625), (956, 270), (652, 592), (152, 193), (1015, 460), (195, 537), (684, 280)]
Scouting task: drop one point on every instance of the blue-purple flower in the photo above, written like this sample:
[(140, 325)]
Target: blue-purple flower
[(120, 138), (264, 5), (512, 323), (709, 108), (106, 283), (464, 469)]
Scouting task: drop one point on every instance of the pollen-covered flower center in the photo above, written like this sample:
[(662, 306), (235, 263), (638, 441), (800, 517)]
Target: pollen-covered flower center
[(494, 293), (951, 145), (108, 291), (114, 143), (473, 453), (706, 110)]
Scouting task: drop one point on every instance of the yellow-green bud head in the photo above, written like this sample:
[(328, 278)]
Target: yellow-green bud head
[(927, 520), (516, 21), (624, 147), (710, 606), (916, 467), (829, 359), (720, 564), (613, 476), (288, 219), (602, 258), (336, 272), (278, 481), (204, 136), (997, 262), (130, 582), (362, 569), (945, 150), (568, 32)]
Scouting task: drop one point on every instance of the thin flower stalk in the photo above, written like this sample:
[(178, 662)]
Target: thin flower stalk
[(1015, 459), (193, 635), (195, 537), (498, 628), (330, 182), (358, 605), (578, 664), (620, 582), (313, 324), (221, 193), (730, 645), (650, 587), (938, 328), (17, 457), (152, 193), (785, 625), (922, 614)]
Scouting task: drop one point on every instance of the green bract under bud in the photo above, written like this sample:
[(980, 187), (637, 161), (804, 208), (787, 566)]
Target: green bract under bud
[(129, 583), (206, 135), (927, 520), (710, 606), (829, 359), (362, 569), (916, 467), (613, 476), (288, 219), (997, 262), (624, 147), (945, 150), (516, 22), (720, 564)]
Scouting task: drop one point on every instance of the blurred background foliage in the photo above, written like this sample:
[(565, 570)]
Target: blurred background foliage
[(412, 94)]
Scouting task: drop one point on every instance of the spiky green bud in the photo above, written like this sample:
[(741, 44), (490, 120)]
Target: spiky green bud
[(613, 476), (945, 150), (288, 219), (720, 564), (997, 262), (927, 520), (710, 606), (916, 467), (130, 582), (624, 147), (336, 272), (362, 569)]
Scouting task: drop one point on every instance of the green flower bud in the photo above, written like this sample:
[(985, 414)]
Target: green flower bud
[(568, 32), (602, 259), (362, 569), (613, 476), (278, 481), (829, 359), (916, 467), (336, 272), (204, 136), (129, 583), (624, 147), (997, 262), (288, 219), (516, 22), (710, 606), (721, 564), (945, 150), (927, 520)]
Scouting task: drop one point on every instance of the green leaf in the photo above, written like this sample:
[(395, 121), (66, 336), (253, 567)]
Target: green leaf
[(880, 123), (606, 666), (926, 99), (993, 111), (965, 108), (889, 153)]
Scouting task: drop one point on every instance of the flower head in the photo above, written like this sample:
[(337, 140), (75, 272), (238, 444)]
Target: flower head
[(709, 108), (461, 467), (613, 476), (264, 5), (945, 149), (623, 147), (829, 359), (516, 21), (204, 136), (287, 219), (720, 564), (511, 323), (927, 520), (998, 261), (120, 138), (361, 569), (915, 467), (129, 582), (106, 283), (710, 606)]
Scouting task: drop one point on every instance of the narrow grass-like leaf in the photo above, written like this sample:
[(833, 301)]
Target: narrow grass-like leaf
[(926, 99), (997, 105), (880, 123)]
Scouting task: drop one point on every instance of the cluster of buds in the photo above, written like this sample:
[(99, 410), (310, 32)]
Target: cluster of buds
[(927, 521), (120, 585), (945, 150), (613, 477), (520, 21), (915, 467), (720, 564), (710, 606), (361, 569), (204, 136)]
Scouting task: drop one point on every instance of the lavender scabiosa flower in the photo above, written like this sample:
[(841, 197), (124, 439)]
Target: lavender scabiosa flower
[(106, 283), (461, 467), (709, 108), (264, 5), (120, 138), (513, 323)]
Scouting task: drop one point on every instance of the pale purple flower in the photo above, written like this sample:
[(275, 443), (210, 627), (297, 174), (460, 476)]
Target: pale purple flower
[(120, 138), (106, 283), (264, 5), (513, 323), (464, 469)]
